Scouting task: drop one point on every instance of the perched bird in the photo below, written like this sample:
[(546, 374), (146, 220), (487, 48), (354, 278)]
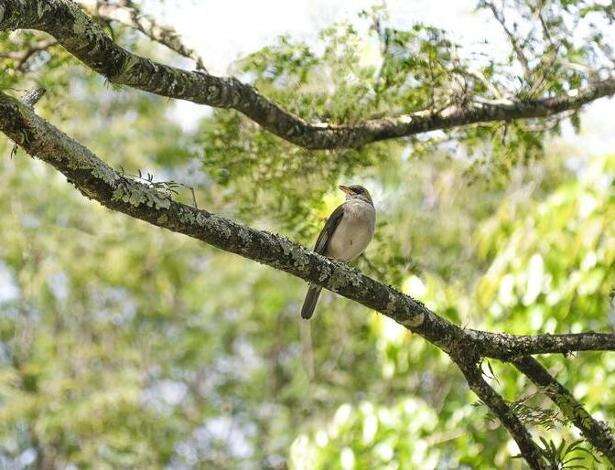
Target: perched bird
[(347, 232)]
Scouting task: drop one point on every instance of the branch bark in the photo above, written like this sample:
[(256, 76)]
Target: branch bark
[(83, 38), (596, 432), (506, 346)]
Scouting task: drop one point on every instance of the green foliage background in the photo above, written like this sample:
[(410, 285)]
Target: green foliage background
[(122, 345)]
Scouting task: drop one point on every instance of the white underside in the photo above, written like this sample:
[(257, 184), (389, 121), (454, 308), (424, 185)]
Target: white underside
[(354, 231)]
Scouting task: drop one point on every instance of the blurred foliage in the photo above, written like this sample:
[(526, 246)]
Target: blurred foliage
[(555, 262), (125, 346)]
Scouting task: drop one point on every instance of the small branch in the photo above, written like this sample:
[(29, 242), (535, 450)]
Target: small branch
[(372, 266), (480, 77), (521, 57), (596, 432)]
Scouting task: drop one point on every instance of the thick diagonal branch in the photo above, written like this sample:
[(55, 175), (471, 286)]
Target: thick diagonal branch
[(596, 432), (88, 42), (98, 181)]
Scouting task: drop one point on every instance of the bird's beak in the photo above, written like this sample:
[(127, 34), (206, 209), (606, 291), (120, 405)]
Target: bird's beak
[(346, 189)]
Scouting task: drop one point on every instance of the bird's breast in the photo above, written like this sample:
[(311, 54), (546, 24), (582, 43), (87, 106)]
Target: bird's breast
[(353, 233)]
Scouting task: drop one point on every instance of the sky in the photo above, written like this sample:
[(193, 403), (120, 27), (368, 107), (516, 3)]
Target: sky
[(222, 31)]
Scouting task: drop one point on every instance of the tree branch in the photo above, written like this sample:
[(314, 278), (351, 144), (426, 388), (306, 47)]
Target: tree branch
[(83, 38), (474, 376), (596, 432), (33, 96), (506, 346), (96, 180)]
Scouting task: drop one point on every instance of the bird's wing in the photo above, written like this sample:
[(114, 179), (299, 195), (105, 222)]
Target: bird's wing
[(328, 230)]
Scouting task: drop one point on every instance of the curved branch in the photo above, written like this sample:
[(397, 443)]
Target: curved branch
[(596, 432), (83, 38)]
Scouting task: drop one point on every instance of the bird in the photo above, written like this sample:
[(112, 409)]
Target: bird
[(346, 234)]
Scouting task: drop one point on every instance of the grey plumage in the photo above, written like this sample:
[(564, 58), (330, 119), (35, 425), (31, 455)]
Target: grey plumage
[(347, 232)]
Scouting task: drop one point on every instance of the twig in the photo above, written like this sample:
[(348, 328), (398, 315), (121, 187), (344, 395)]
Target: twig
[(128, 14), (521, 57)]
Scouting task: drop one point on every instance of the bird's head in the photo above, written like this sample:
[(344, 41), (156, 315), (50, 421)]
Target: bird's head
[(357, 192)]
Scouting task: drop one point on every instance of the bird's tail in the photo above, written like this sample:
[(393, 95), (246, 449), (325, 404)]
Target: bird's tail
[(309, 304)]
